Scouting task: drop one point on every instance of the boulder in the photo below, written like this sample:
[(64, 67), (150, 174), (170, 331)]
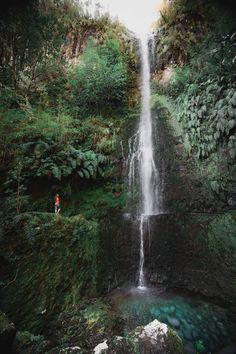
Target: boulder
[(154, 338), (174, 322), (7, 334), (101, 348)]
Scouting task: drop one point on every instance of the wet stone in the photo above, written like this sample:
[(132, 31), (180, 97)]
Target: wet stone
[(157, 313), (211, 345), (190, 348), (173, 321), (187, 334), (165, 309)]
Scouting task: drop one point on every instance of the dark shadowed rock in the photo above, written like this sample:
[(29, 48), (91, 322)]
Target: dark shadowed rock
[(231, 200), (231, 349), (7, 334)]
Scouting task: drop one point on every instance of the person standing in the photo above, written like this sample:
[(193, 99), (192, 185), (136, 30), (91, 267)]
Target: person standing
[(57, 203)]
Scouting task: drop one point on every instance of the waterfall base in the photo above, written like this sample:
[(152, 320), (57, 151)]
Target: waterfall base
[(182, 251), (195, 321)]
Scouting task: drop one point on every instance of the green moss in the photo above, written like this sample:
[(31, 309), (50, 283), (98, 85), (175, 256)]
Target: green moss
[(85, 325), (56, 265), (175, 344), (98, 201), (222, 237)]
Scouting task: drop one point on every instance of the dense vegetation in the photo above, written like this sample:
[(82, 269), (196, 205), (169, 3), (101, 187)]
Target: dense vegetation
[(66, 86), (68, 83), (196, 67)]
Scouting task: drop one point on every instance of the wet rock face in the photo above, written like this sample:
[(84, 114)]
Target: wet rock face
[(194, 252), (119, 257), (7, 334), (154, 338), (231, 349), (186, 251)]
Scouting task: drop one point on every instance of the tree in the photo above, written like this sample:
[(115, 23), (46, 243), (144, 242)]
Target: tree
[(100, 80)]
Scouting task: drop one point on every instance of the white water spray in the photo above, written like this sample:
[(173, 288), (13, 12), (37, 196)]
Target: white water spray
[(147, 168)]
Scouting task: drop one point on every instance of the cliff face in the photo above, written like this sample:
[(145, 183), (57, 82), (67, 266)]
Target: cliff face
[(194, 78), (192, 252), (191, 247), (54, 265), (51, 262)]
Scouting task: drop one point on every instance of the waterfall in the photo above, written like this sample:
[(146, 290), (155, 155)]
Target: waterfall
[(147, 167), (142, 170)]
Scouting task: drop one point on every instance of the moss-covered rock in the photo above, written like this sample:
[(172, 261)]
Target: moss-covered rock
[(154, 338), (55, 265)]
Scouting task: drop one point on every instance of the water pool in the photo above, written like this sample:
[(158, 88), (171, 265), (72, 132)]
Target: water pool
[(204, 327)]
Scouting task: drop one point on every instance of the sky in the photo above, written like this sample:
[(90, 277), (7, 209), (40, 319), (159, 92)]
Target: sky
[(137, 15)]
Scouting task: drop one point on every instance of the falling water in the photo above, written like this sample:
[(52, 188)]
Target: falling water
[(148, 171), (142, 168)]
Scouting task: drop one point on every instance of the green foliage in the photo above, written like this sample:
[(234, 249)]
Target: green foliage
[(23, 48), (199, 51), (200, 348), (94, 314), (27, 342), (179, 79), (46, 146), (197, 42), (46, 243), (55, 147), (222, 239), (42, 141), (160, 101), (183, 24), (53, 161), (199, 102), (34, 60), (100, 79), (97, 202)]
